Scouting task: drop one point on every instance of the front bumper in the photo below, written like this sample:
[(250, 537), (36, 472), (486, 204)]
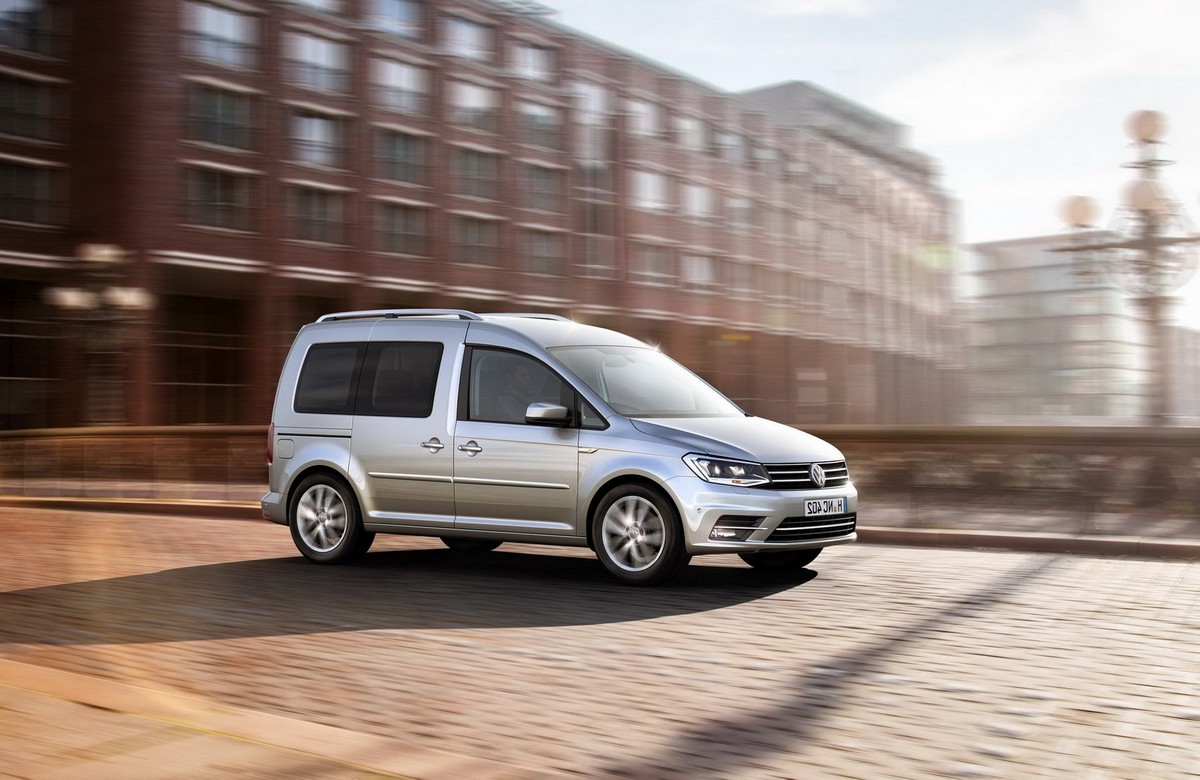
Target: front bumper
[(763, 519)]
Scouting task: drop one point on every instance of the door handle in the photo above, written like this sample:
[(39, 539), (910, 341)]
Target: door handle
[(471, 448), (433, 445)]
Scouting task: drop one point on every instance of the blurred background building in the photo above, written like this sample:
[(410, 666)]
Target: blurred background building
[(184, 183), (1053, 345), (1050, 345)]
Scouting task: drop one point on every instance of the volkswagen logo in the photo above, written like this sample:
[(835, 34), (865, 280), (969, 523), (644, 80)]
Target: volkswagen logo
[(817, 475)]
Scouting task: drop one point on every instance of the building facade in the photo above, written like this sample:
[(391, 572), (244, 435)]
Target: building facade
[(183, 183), (1051, 345)]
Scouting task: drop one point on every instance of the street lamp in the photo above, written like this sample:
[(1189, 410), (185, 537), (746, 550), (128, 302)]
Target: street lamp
[(1149, 256), (102, 307)]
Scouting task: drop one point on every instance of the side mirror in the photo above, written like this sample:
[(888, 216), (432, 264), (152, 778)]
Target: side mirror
[(547, 414)]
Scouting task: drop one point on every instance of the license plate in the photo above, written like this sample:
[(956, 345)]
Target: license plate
[(824, 506)]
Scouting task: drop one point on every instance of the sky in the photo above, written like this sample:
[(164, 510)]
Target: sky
[(1022, 102)]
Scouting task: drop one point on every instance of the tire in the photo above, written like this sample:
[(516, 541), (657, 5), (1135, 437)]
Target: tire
[(323, 517), (782, 559), (463, 545), (638, 536)]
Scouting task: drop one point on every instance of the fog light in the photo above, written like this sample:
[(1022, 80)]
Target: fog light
[(734, 528)]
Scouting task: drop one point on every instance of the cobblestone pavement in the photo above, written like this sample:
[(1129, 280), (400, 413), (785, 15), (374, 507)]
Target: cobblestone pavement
[(876, 662)]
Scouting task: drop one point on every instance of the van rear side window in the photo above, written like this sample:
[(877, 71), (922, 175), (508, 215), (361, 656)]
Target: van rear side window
[(399, 379), (329, 378)]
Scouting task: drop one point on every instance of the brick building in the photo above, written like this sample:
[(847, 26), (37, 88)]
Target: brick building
[(254, 163)]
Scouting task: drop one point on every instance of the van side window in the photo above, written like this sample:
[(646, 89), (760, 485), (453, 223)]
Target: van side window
[(589, 418), (399, 379), (328, 379), (504, 384)]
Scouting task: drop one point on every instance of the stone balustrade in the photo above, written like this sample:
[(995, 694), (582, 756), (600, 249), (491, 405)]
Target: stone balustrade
[(1154, 470)]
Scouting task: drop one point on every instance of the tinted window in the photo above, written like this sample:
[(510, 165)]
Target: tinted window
[(328, 379), (399, 379), (504, 384)]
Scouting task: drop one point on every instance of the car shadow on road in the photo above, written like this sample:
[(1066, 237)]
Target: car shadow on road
[(726, 743), (411, 589)]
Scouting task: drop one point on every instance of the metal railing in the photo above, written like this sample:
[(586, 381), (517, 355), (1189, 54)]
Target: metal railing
[(184, 462)]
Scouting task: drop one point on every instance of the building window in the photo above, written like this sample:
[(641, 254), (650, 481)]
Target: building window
[(316, 215), (540, 125), (645, 118), (29, 109), (766, 159), (739, 279), (730, 147), (475, 107), (597, 260), (689, 133), (475, 241), (476, 174), (649, 191), (774, 222), (221, 35), (739, 212), (698, 201), (318, 62), (316, 139), (328, 6), (201, 352), (533, 62), (26, 357), (402, 229), (28, 193), (219, 116), (543, 252), (402, 157), (592, 135), (652, 264), (402, 87), (398, 17), (219, 199), (27, 25), (545, 189), (467, 39), (699, 272)]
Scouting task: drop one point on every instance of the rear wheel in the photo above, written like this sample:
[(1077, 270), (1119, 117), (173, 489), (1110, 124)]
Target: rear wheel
[(781, 559), (323, 517), (460, 544), (638, 536)]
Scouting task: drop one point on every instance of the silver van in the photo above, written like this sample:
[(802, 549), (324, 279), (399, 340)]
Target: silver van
[(484, 429)]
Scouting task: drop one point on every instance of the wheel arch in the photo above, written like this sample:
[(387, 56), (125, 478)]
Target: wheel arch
[(626, 479), (327, 470)]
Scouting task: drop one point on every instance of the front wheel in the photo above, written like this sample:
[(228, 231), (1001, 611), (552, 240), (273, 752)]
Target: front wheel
[(638, 536), (781, 559), (323, 517)]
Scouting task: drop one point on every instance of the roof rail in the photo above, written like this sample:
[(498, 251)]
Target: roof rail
[(397, 313), (527, 315)]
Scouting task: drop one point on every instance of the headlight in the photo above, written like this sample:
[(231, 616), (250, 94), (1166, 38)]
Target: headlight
[(727, 472)]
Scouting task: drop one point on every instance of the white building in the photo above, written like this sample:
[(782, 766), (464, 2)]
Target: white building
[(1051, 345)]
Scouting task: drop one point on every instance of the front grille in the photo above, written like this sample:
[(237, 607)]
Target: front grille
[(807, 529), (794, 476)]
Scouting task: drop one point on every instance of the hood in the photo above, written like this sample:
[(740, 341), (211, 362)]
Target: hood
[(743, 438)]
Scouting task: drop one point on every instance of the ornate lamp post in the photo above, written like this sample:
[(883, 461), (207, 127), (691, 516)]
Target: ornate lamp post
[(1148, 256), (103, 307)]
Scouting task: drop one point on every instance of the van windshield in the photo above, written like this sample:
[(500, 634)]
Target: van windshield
[(643, 382)]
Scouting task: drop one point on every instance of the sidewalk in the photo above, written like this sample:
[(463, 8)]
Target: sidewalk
[(1145, 535)]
